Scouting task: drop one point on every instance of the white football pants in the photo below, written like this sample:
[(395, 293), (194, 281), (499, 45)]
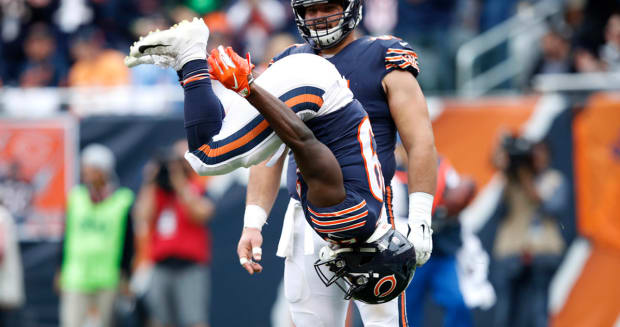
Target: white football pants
[(311, 303)]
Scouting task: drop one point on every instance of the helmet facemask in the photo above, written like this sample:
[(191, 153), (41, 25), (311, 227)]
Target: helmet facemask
[(349, 282), (372, 272), (316, 31)]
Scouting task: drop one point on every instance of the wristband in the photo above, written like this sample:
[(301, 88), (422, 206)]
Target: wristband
[(254, 217), (420, 206)]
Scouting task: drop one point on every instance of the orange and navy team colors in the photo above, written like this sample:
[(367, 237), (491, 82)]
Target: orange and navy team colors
[(374, 57), (346, 132), (257, 130)]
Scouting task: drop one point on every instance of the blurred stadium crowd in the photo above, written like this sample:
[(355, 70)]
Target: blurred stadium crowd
[(47, 43), (51, 45)]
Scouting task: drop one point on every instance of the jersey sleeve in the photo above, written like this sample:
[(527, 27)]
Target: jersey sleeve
[(400, 55)]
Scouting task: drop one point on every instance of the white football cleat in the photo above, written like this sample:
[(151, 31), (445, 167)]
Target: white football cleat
[(161, 61), (182, 42)]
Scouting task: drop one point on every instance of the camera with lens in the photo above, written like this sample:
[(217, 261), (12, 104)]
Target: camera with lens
[(519, 154), (162, 177)]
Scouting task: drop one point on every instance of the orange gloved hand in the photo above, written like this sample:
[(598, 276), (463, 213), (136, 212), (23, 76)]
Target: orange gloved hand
[(234, 72)]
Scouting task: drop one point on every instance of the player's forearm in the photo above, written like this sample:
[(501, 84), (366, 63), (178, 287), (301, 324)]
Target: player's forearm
[(290, 128), (422, 168), (263, 184)]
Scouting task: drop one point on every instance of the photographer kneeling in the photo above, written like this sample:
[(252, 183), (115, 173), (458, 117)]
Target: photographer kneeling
[(528, 244), (172, 206)]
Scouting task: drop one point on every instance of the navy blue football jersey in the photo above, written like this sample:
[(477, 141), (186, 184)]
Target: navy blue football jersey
[(364, 63), (347, 133)]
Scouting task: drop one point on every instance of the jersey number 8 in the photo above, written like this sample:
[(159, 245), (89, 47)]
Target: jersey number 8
[(371, 160)]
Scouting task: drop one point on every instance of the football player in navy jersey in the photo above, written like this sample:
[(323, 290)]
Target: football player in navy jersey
[(339, 180), (382, 75)]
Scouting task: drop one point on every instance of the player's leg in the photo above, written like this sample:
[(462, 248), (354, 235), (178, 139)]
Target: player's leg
[(379, 315), (183, 47), (203, 111), (217, 145), (388, 314), (310, 302), (218, 142)]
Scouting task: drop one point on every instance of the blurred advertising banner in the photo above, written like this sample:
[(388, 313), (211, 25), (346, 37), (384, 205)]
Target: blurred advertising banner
[(597, 178), (597, 168), (37, 168), (467, 131)]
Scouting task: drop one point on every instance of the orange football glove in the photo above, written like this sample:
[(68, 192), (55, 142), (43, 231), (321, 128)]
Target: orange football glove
[(231, 70)]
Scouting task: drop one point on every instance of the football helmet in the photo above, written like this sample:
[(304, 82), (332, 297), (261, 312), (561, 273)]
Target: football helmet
[(374, 272), (323, 38)]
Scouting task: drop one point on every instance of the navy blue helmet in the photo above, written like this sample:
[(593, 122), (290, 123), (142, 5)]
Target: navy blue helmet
[(373, 273), (313, 30)]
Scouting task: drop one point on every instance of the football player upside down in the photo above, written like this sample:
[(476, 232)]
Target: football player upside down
[(300, 102)]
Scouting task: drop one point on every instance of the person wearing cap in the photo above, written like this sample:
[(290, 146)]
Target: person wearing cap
[(98, 241)]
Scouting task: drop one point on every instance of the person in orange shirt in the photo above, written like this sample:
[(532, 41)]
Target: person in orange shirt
[(94, 64)]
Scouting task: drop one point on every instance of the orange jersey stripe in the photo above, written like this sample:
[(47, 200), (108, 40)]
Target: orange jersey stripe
[(195, 78), (403, 310), (341, 229), (304, 98), (206, 149), (338, 213), (340, 221), (392, 50), (396, 58), (389, 206)]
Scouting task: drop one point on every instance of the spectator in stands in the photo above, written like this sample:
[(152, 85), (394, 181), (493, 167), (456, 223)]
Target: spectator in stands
[(555, 46), (590, 34), (203, 6), (380, 16), (172, 204), (555, 57), (219, 29), (610, 51), (98, 243), (3, 74), (254, 20), (428, 26), (95, 65), (42, 67), (528, 245), (276, 44)]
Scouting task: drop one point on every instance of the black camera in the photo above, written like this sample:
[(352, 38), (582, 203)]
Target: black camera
[(519, 153), (162, 177)]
